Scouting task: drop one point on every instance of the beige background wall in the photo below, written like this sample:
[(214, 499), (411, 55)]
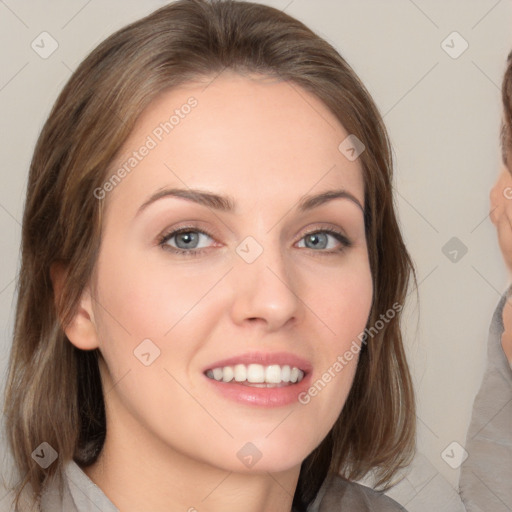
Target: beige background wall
[(443, 117)]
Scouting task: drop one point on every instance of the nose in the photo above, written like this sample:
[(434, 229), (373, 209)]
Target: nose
[(265, 291)]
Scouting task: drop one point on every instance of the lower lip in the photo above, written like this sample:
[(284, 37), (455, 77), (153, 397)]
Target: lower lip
[(262, 397)]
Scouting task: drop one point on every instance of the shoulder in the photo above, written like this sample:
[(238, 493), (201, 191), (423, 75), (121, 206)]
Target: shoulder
[(339, 494)]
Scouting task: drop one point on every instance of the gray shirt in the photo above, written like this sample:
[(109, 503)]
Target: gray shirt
[(486, 475), (80, 494)]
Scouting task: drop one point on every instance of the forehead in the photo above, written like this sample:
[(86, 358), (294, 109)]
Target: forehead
[(251, 137)]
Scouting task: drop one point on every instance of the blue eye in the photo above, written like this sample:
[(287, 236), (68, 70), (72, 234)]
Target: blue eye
[(187, 239), (318, 238)]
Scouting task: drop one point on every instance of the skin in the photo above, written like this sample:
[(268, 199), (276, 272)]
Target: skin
[(501, 216), (172, 440)]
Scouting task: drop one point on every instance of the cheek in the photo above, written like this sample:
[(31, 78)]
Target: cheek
[(144, 299), (157, 315), (342, 298), (343, 304)]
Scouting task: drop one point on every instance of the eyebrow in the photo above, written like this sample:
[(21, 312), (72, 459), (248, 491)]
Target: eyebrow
[(228, 204)]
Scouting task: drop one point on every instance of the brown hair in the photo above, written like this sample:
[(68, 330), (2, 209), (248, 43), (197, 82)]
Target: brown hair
[(54, 391), (506, 125)]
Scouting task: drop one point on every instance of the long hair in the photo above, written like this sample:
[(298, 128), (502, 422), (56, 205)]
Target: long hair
[(54, 391)]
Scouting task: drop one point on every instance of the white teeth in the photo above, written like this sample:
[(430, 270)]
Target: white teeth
[(273, 374), (240, 372), (257, 374), (227, 374)]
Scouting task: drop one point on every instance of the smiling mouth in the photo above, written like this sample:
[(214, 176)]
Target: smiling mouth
[(257, 375)]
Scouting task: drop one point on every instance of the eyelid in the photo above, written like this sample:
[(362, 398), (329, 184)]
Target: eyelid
[(188, 227)]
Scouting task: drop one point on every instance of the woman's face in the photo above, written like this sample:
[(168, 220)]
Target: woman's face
[(269, 285)]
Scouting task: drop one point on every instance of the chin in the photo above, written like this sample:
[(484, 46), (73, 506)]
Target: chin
[(252, 457), (270, 464)]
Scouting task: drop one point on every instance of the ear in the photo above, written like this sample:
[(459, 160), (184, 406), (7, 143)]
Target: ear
[(81, 330)]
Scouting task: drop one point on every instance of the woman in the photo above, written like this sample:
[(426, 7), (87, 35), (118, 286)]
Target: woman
[(247, 372), (487, 472)]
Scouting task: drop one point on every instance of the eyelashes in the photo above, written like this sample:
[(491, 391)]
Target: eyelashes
[(194, 234)]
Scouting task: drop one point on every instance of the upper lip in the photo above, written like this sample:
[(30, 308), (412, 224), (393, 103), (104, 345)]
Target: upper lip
[(265, 359)]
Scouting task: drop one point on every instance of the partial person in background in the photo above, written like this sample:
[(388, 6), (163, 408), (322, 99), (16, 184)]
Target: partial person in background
[(486, 475)]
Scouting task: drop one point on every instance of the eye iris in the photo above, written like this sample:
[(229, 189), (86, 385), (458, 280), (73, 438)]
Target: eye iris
[(188, 236), (314, 238)]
